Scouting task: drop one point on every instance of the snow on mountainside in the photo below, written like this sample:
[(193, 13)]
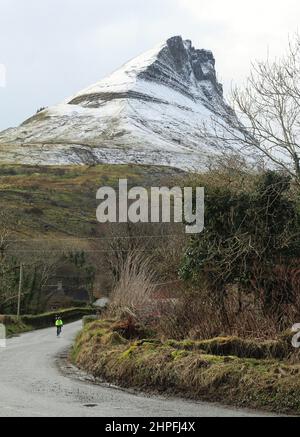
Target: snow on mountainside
[(150, 111)]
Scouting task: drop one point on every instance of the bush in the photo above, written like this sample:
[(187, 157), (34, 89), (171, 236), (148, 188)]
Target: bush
[(249, 240)]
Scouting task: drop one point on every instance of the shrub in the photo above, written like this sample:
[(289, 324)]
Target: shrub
[(249, 238)]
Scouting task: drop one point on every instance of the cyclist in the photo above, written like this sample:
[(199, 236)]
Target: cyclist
[(59, 324)]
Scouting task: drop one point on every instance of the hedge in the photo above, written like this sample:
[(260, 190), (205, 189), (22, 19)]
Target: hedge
[(48, 319)]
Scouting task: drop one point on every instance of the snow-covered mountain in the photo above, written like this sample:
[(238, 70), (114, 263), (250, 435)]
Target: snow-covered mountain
[(150, 111)]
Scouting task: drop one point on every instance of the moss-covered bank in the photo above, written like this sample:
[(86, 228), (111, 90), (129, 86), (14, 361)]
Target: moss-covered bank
[(193, 370)]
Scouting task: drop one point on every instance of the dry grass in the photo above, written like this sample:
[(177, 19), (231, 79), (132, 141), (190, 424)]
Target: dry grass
[(131, 296), (196, 315)]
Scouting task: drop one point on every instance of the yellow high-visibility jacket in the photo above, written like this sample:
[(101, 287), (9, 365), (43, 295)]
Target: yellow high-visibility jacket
[(59, 322)]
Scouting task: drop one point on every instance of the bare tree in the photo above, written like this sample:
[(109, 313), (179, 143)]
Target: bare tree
[(268, 113), (7, 270), (39, 267)]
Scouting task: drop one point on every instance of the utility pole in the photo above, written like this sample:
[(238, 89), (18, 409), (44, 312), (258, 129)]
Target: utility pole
[(20, 291)]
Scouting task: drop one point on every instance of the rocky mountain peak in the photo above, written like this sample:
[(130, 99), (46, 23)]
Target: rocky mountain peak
[(150, 111), (175, 64), (178, 60)]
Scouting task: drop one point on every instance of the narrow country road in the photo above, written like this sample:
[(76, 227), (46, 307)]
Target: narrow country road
[(31, 385)]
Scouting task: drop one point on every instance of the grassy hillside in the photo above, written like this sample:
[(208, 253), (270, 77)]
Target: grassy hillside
[(50, 213), (61, 201)]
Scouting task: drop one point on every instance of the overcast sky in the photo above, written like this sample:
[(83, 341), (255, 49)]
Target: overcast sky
[(54, 48)]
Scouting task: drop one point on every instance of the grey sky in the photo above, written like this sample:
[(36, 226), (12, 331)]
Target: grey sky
[(54, 48)]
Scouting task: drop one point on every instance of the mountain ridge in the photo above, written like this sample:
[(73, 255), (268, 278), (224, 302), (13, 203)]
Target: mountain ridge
[(149, 111)]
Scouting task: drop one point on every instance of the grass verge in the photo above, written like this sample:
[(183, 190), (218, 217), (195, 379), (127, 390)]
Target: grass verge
[(188, 370)]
